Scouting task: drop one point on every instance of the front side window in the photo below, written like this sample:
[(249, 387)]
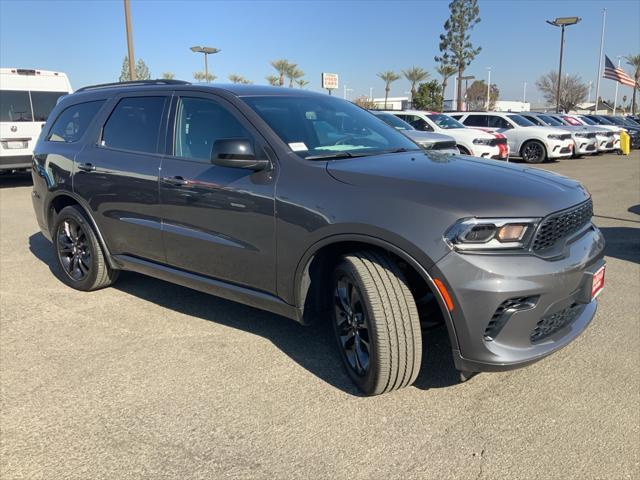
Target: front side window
[(317, 126), (73, 122), (199, 124), (520, 120), (15, 106), (554, 122), (445, 121), (587, 120), (134, 125), (43, 103)]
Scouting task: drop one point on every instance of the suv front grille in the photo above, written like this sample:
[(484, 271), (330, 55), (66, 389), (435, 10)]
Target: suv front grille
[(550, 324), (561, 225), (566, 136)]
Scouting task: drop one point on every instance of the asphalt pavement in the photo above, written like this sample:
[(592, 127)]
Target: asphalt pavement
[(152, 380)]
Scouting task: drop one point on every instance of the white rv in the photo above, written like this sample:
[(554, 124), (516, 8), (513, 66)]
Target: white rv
[(26, 98)]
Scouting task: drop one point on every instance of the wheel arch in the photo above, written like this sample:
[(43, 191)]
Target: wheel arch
[(316, 265)]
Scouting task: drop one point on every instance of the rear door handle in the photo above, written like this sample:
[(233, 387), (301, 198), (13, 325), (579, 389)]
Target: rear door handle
[(86, 167), (177, 181)]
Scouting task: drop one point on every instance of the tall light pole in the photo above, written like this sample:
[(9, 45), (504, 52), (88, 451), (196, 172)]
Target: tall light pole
[(488, 88), (524, 93), (561, 22), (589, 97), (604, 21), (127, 22), (615, 100), (206, 51)]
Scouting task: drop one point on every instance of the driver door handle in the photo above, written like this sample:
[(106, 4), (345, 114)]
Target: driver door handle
[(177, 181), (86, 167)]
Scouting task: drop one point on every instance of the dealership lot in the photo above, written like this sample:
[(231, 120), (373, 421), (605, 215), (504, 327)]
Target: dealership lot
[(149, 379)]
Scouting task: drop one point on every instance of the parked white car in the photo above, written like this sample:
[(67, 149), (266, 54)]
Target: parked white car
[(26, 98), (532, 143), (470, 141), (612, 141), (584, 138), (427, 140), (607, 140)]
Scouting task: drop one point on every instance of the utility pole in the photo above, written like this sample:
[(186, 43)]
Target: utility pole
[(488, 87), (127, 21), (524, 93)]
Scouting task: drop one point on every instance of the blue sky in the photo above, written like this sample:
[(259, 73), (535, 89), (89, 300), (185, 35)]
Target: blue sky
[(355, 39)]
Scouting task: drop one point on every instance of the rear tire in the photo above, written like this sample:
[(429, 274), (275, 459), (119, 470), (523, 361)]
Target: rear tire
[(78, 253), (533, 151), (376, 323)]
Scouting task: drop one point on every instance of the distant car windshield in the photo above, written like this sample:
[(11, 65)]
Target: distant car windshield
[(520, 120), (615, 120), (320, 126), (588, 121), (445, 121), (601, 121), (551, 120), (394, 121), (631, 122)]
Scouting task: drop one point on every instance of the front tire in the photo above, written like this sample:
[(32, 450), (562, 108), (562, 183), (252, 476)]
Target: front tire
[(533, 151), (78, 252), (376, 323)]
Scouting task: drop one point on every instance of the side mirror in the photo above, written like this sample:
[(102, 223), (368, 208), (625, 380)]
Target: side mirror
[(236, 153)]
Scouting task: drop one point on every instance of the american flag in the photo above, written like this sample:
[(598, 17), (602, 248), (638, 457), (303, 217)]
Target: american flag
[(616, 73)]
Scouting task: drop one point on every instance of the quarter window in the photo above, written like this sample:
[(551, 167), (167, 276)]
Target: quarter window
[(135, 125), (199, 124), (73, 122)]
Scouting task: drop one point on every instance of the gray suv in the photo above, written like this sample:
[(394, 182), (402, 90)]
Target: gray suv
[(312, 208)]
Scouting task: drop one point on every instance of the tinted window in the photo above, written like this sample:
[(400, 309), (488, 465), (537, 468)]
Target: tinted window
[(476, 121), (445, 121), (394, 121), (418, 123), (73, 122), (43, 103), (520, 120), (134, 124), (551, 121), (536, 120), (15, 106), (320, 125), (199, 123), (587, 120)]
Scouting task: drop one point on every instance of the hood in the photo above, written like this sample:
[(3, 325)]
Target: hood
[(427, 137), (467, 134), (544, 131), (462, 185)]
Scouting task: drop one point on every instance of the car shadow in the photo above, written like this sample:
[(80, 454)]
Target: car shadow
[(310, 347), (634, 209), (11, 180), (622, 243)]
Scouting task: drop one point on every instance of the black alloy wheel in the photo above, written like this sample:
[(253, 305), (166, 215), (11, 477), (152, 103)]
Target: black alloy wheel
[(351, 325)]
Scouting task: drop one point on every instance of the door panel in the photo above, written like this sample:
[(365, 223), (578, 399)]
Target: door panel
[(217, 221)]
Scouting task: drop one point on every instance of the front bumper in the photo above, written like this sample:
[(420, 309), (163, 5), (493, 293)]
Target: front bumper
[(585, 146), (488, 151), (481, 284), (559, 148)]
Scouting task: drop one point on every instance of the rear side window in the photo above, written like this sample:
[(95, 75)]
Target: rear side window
[(73, 122), (476, 121), (43, 103), (15, 106), (499, 122), (134, 125)]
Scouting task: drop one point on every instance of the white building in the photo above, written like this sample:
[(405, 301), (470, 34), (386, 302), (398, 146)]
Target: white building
[(393, 103), (509, 106)]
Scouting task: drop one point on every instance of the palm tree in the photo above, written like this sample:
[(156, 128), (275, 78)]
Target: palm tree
[(200, 76), (282, 67), (301, 83), (634, 61), (293, 74), (233, 78), (273, 80), (415, 75), (388, 78), (445, 71), (168, 75)]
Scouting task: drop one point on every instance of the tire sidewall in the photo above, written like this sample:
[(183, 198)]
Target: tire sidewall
[(540, 159), (74, 214)]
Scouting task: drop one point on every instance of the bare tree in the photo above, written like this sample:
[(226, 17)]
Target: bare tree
[(572, 90), (477, 96)]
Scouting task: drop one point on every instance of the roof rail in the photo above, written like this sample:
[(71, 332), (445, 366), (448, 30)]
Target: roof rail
[(133, 83)]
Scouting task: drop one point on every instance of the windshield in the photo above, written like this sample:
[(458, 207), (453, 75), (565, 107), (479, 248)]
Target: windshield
[(394, 121), (601, 121), (445, 121), (15, 106), (550, 120), (631, 122), (615, 120), (520, 120), (588, 121), (318, 126)]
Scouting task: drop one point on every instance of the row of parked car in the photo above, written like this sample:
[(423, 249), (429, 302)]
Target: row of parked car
[(534, 137)]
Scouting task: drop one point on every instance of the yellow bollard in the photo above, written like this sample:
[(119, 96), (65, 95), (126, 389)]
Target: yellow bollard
[(625, 143)]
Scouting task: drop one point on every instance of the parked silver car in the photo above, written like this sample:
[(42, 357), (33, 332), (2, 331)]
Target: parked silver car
[(427, 140)]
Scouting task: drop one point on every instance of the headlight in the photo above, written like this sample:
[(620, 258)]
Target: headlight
[(471, 234), (427, 145), (582, 135), (482, 141), (555, 137)]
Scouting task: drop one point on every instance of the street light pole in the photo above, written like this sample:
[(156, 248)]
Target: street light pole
[(127, 22), (615, 100), (206, 51), (488, 87), (561, 22)]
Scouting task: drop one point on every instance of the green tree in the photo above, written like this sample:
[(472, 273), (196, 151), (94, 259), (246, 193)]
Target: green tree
[(233, 78), (455, 43), (201, 77), (168, 75), (388, 78), (428, 96), (445, 71), (282, 66), (142, 71), (634, 61), (415, 75), (301, 83), (294, 74), (476, 96), (273, 80), (572, 90)]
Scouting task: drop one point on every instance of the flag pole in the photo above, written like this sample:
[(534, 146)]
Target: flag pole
[(604, 18), (615, 101)]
